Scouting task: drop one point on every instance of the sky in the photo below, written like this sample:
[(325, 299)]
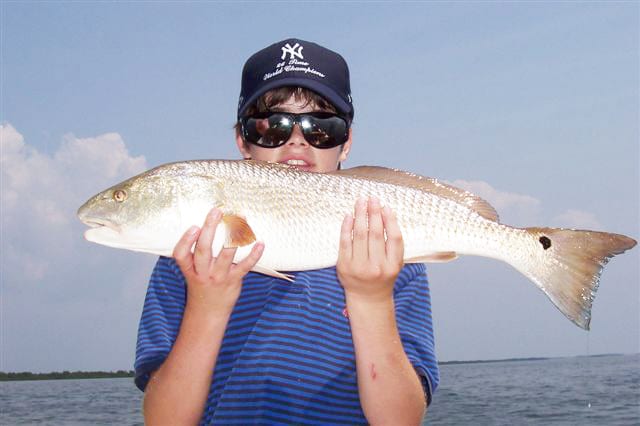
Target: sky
[(531, 105)]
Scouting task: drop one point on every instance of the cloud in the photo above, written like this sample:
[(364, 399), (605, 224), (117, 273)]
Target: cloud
[(41, 193), (513, 209), (105, 156), (524, 210), (52, 279), (577, 219), (45, 187)]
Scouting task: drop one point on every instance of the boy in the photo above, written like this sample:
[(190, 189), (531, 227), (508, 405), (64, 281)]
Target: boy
[(346, 345)]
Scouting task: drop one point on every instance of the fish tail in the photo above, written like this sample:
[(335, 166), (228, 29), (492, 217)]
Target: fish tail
[(567, 265)]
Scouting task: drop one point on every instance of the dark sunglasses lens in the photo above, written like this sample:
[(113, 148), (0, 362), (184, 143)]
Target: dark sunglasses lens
[(321, 130), (269, 132), (324, 131)]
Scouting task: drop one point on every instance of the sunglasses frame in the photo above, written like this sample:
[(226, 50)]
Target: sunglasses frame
[(295, 119)]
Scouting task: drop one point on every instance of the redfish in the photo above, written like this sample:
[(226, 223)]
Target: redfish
[(298, 215)]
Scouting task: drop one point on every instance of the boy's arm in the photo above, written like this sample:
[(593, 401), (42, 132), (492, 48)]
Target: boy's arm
[(390, 390), (177, 392)]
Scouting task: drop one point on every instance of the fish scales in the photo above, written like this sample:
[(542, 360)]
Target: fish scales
[(298, 215)]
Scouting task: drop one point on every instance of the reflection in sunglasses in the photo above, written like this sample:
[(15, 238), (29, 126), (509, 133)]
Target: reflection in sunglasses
[(262, 126), (322, 130)]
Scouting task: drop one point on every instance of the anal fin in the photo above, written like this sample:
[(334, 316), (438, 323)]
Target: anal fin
[(437, 257), (273, 273)]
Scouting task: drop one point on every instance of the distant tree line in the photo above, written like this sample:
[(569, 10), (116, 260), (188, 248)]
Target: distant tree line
[(27, 375)]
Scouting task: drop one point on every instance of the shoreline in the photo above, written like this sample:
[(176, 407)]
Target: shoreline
[(547, 358), (64, 375), (71, 375)]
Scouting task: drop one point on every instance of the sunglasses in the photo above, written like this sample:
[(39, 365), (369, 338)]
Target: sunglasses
[(322, 130)]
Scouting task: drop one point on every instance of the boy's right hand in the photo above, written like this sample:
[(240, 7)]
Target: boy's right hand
[(213, 283)]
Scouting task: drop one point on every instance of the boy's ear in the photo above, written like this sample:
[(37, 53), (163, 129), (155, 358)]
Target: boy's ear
[(242, 146), (346, 148)]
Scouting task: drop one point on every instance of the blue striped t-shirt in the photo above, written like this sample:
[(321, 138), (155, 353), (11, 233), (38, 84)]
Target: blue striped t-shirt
[(287, 354)]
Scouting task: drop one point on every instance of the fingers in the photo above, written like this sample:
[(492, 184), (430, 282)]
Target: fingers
[(223, 262), (395, 244), (182, 250), (373, 233), (360, 229), (247, 264), (376, 231), (202, 255), (345, 250), (371, 251), (216, 278)]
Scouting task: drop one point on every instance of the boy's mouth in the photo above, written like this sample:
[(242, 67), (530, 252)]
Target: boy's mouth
[(298, 163), (294, 162)]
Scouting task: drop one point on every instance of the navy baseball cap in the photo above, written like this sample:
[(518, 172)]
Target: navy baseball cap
[(295, 62)]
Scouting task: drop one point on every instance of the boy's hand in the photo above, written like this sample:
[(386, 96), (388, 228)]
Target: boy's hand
[(368, 265), (213, 283)]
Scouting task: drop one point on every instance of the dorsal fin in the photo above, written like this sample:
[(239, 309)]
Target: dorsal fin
[(434, 186)]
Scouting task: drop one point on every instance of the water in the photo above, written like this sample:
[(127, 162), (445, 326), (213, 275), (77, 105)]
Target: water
[(564, 391), (71, 402)]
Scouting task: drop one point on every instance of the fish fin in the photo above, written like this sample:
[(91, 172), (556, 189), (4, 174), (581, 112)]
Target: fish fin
[(273, 273), (437, 257), (239, 233), (432, 185), (569, 265)]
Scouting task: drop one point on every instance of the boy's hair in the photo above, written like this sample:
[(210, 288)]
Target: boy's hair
[(282, 94)]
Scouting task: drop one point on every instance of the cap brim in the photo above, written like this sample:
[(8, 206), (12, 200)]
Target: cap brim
[(323, 90)]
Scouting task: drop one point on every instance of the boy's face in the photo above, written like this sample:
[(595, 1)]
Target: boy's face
[(297, 150)]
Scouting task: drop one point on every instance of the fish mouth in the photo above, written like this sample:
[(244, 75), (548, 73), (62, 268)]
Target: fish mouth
[(97, 223)]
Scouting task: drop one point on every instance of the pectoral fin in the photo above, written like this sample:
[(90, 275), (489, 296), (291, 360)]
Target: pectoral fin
[(438, 257), (239, 233)]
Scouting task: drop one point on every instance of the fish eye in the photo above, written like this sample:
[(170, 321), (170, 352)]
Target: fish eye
[(119, 195)]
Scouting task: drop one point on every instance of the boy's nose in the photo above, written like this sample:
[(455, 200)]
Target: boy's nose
[(297, 137)]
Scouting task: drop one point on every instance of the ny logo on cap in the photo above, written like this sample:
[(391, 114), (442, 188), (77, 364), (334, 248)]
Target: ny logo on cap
[(294, 51)]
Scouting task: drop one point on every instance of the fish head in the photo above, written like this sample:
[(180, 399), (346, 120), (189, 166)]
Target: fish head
[(138, 214)]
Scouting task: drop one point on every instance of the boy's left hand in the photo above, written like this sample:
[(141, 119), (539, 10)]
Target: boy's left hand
[(368, 264)]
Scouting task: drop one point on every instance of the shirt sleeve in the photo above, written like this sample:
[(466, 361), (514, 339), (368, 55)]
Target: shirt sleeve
[(160, 320), (413, 315)]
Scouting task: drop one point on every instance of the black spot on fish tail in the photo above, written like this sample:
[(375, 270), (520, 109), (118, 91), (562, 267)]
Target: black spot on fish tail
[(545, 241), (569, 274)]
